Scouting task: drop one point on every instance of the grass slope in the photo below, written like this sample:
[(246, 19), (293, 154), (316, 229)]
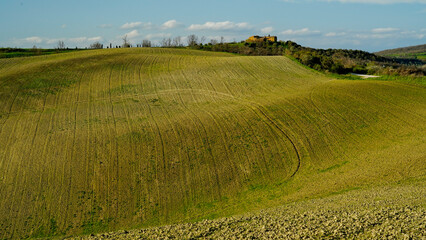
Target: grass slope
[(122, 138)]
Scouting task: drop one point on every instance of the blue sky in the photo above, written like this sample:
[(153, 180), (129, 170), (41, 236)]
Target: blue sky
[(370, 25)]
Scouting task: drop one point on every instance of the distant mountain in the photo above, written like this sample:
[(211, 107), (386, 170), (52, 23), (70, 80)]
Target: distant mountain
[(413, 52)]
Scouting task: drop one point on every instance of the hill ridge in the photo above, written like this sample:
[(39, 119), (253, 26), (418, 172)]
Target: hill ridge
[(410, 49)]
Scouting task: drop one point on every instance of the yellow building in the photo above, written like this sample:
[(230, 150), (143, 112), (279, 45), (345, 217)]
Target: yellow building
[(262, 39)]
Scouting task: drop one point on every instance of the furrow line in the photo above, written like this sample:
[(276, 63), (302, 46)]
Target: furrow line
[(268, 118), (206, 60), (223, 138), (157, 129), (107, 168), (217, 74), (160, 135), (69, 150), (130, 165), (258, 141), (90, 165), (8, 113), (265, 172), (138, 76), (318, 109), (276, 126), (251, 74), (325, 101), (206, 144), (45, 152), (166, 114), (23, 170), (117, 163), (302, 109), (3, 159), (395, 106), (349, 110), (180, 135), (332, 123), (217, 122), (196, 102), (74, 147)]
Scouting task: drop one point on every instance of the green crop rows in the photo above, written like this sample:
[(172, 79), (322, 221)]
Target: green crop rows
[(102, 140)]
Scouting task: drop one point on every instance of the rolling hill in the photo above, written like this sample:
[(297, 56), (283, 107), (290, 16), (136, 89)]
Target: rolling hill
[(103, 140), (412, 52)]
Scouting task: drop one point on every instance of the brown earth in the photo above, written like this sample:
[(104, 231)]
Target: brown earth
[(385, 212)]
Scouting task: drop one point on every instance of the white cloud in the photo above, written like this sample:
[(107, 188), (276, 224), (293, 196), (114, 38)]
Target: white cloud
[(54, 40), (390, 34), (371, 36), (140, 25), (381, 36), (94, 39), (171, 24), (335, 34), (157, 36), (225, 38), (131, 25), (300, 32), (81, 40), (63, 26), (267, 30), (220, 26), (384, 30), (105, 26), (413, 34), (34, 39), (132, 34), (77, 40)]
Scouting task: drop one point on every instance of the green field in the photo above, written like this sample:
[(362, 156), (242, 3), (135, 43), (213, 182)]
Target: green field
[(102, 140), (29, 52), (421, 56)]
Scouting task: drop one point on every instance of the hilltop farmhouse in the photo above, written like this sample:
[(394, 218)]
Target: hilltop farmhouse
[(269, 38)]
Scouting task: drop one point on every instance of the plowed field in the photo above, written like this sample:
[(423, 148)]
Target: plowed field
[(103, 140)]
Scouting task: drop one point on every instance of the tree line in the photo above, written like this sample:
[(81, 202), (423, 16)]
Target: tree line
[(340, 61)]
